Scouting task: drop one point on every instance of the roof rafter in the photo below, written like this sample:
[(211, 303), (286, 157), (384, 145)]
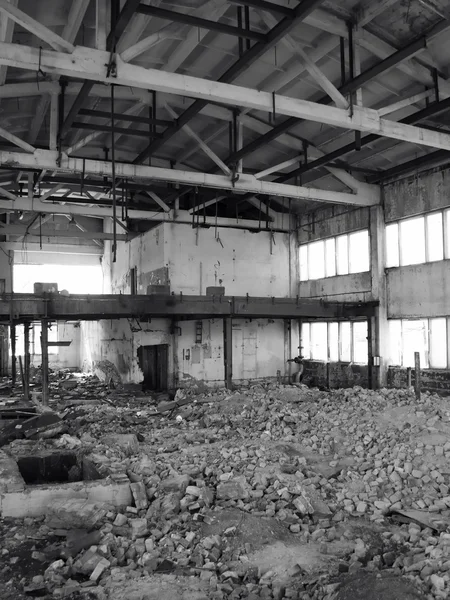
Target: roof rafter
[(89, 64), (46, 159)]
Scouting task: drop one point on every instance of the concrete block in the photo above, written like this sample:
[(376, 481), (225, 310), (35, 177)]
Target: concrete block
[(215, 290), (10, 478), (127, 441), (139, 494), (34, 501)]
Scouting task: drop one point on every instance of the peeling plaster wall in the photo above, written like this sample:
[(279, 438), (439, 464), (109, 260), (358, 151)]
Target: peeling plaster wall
[(417, 195), (258, 351), (190, 260), (242, 262), (118, 342), (419, 290), (331, 221)]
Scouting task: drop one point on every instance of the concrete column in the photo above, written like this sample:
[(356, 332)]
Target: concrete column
[(287, 349), (379, 335), (44, 354), (13, 355), (228, 351), (26, 366)]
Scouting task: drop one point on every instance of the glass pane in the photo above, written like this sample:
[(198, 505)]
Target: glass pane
[(447, 233), (333, 341), (305, 342), (303, 255), (319, 347), (20, 342), (330, 257), (395, 342), (438, 343), (342, 254), (345, 345), (435, 237), (415, 339), (360, 342), (412, 236), (316, 260), (392, 251), (359, 251)]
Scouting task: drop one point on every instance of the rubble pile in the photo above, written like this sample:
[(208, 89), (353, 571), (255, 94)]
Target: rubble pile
[(268, 492)]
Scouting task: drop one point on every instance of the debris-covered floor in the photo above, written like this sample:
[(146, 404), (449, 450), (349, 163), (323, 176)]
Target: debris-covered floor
[(267, 492)]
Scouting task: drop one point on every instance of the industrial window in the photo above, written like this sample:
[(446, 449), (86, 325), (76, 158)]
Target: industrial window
[(348, 253), (35, 339), (335, 341), (418, 240), (429, 337)]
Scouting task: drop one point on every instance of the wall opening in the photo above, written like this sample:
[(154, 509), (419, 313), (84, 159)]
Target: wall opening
[(154, 364), (56, 467)]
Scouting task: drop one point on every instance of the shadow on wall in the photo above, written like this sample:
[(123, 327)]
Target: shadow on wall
[(335, 375)]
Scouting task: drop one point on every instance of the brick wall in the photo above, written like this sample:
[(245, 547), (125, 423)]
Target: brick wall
[(335, 374), (433, 380)]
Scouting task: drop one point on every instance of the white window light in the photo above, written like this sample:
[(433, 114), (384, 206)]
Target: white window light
[(306, 340), (415, 339), (358, 251), (435, 237), (319, 341), (360, 349), (303, 257), (447, 233), (316, 260), (330, 257), (395, 342), (412, 241), (333, 341), (342, 254), (438, 343), (345, 345), (392, 246)]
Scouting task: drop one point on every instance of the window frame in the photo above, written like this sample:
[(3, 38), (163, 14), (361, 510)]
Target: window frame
[(304, 248), (445, 213), (307, 351), (428, 350)]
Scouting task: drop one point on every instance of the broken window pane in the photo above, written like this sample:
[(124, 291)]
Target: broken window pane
[(319, 346), (346, 344), (392, 250), (415, 339), (412, 246), (316, 260), (395, 342), (333, 341), (303, 254), (438, 343), (330, 257), (435, 237), (342, 254), (359, 251), (360, 342), (305, 342)]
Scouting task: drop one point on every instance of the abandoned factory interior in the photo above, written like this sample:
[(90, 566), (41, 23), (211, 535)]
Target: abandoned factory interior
[(225, 299)]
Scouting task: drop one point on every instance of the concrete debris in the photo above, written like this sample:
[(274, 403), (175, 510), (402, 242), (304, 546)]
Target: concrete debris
[(267, 492)]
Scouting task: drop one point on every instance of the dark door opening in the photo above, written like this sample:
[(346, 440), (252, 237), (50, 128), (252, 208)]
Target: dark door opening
[(153, 362)]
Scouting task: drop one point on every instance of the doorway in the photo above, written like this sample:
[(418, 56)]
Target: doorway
[(153, 362)]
